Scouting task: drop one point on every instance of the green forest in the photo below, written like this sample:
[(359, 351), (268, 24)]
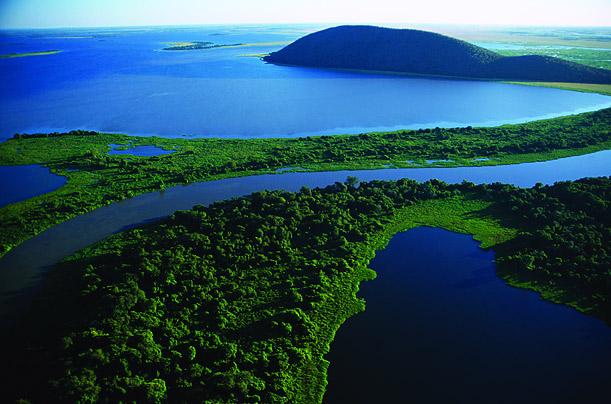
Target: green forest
[(239, 301), (96, 178)]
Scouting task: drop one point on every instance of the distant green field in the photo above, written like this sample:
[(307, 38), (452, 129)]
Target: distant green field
[(600, 58), (595, 37), (588, 46), (583, 87), (27, 54)]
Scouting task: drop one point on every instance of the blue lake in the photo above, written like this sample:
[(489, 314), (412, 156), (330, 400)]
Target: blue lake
[(120, 80), (441, 327), (22, 182)]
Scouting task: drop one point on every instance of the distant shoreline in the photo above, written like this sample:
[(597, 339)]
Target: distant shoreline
[(28, 54), (198, 45)]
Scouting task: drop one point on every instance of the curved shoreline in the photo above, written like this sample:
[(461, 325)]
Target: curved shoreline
[(454, 290), (357, 130)]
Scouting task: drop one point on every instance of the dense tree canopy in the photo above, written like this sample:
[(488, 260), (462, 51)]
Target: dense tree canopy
[(238, 302)]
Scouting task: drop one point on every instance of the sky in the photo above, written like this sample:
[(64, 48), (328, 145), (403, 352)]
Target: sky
[(94, 13)]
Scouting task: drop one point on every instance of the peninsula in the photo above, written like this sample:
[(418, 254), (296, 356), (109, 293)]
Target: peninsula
[(28, 54), (417, 52), (238, 302)]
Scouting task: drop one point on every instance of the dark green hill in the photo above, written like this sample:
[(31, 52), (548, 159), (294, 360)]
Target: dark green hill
[(426, 53)]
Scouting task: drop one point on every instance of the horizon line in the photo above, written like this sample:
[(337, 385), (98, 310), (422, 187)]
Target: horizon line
[(488, 25)]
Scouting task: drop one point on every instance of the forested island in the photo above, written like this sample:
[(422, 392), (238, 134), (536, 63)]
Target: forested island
[(410, 51), (239, 301), (96, 178)]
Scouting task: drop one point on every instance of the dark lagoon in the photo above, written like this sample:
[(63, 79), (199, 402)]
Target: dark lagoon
[(22, 182), (441, 327), (121, 80)]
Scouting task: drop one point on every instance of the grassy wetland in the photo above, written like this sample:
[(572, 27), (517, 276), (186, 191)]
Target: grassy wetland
[(96, 178), (240, 301)]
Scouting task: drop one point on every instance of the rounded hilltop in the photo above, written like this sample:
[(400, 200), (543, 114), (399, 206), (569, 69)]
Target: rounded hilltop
[(409, 51)]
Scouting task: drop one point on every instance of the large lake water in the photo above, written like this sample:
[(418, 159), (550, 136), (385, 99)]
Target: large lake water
[(441, 327), (119, 80)]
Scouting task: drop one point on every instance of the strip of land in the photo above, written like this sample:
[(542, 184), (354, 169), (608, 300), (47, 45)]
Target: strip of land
[(96, 178), (582, 87), (183, 46), (28, 54)]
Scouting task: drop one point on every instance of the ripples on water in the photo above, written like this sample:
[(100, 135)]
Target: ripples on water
[(121, 81)]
